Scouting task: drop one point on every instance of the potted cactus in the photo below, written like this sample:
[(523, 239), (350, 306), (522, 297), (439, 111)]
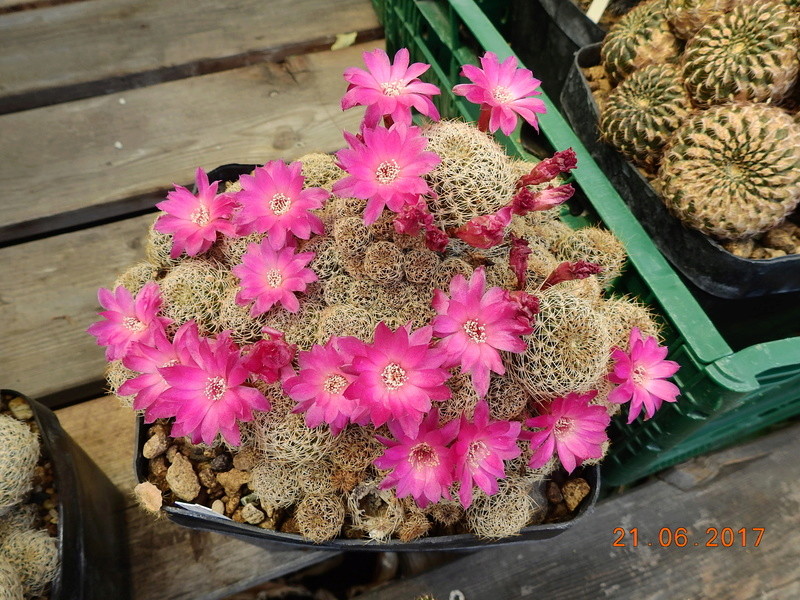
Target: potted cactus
[(60, 530), (401, 345), (712, 135)]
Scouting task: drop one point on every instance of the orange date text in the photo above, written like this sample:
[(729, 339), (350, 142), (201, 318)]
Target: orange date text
[(681, 537)]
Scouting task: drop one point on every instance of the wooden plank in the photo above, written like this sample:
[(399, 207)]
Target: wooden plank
[(68, 165), (756, 486), (80, 50), (49, 298), (167, 561)]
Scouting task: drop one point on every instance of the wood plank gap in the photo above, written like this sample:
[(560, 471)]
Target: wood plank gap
[(81, 218), (11, 6), (101, 87)]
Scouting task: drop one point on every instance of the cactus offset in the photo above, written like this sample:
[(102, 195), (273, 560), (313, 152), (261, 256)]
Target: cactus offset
[(749, 53), (641, 37), (643, 111), (687, 17), (733, 171), (19, 453)]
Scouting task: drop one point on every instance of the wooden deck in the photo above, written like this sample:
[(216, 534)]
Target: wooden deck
[(104, 105)]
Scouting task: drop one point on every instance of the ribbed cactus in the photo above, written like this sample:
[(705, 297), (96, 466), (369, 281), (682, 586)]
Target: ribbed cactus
[(19, 452), (641, 37), (34, 556), (10, 584), (733, 171), (642, 112), (748, 54), (687, 17)]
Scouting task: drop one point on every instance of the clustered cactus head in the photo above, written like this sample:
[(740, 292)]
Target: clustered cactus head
[(19, 453), (383, 328), (687, 17), (642, 37), (733, 171), (747, 54), (642, 112)]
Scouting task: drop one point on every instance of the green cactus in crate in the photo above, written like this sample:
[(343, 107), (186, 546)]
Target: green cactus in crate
[(733, 171), (641, 37), (641, 113), (19, 453), (750, 53), (687, 17)]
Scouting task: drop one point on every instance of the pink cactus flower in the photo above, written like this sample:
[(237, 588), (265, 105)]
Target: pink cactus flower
[(485, 231), (208, 390), (274, 202), (148, 387), (518, 259), (480, 450), (318, 388), (270, 359), (503, 91), (389, 89), (527, 307), (550, 168), (414, 216), (195, 221), (385, 168), (572, 428), (128, 320), (436, 239), (475, 325), (422, 464), (270, 276), (641, 374), (525, 201), (397, 376)]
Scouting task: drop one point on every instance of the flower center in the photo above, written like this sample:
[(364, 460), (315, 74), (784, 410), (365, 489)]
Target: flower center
[(334, 384), (563, 427), (133, 324), (215, 388), (394, 376), (274, 278), (280, 203), (475, 331), (422, 455), (392, 88), (387, 171), (200, 216), (502, 94), (639, 375), (477, 452)]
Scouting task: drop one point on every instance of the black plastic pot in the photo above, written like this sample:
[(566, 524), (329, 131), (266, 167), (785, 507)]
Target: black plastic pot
[(92, 541), (701, 259), (203, 521), (545, 34)]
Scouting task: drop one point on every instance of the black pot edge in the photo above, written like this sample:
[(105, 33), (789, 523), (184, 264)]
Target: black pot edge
[(261, 537), (700, 258), (92, 548)]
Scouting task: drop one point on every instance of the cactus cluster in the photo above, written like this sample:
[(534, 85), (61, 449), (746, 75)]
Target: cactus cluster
[(28, 555), (715, 127)]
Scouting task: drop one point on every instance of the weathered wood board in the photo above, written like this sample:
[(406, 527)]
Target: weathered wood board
[(71, 164), (169, 562), (83, 49), (755, 486)]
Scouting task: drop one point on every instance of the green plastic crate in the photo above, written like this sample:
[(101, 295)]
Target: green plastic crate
[(725, 394)]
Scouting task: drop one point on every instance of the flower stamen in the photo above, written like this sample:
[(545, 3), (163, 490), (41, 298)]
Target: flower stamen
[(274, 278), (392, 88), (387, 172), (133, 324), (215, 388), (422, 455), (477, 452), (200, 216), (475, 331), (280, 204), (502, 94), (334, 384), (394, 376), (563, 427)]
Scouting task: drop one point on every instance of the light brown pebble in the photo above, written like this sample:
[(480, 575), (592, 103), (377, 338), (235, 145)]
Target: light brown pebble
[(148, 496), (252, 514), (156, 445), (232, 504), (233, 480), (237, 516), (246, 458), (172, 451), (218, 506), (158, 467), (20, 409), (208, 478), (182, 479), (574, 491)]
